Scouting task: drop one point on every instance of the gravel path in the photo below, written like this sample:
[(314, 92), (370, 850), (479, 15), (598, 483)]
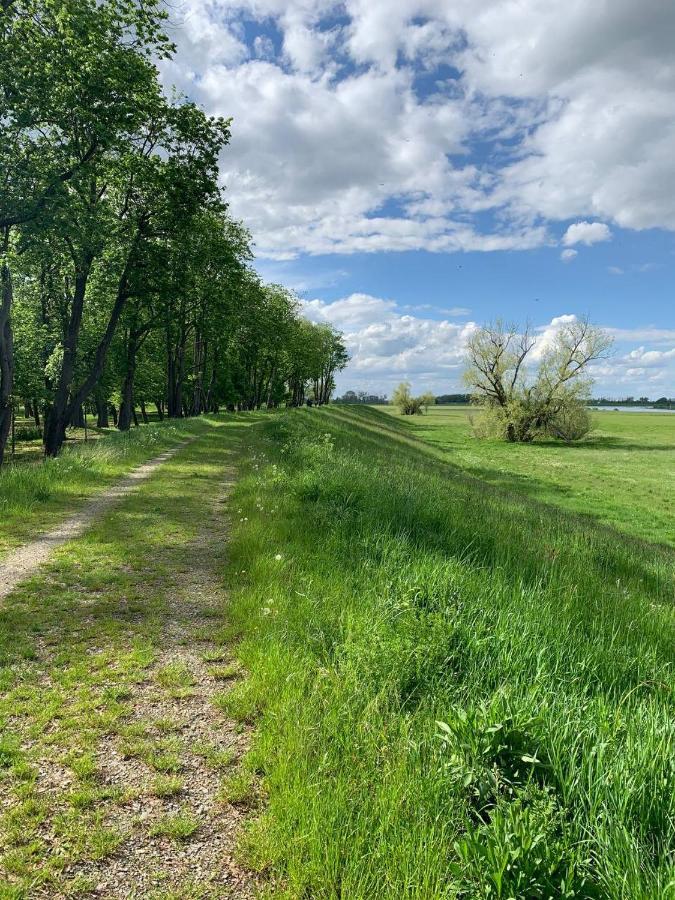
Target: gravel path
[(155, 866), (25, 560)]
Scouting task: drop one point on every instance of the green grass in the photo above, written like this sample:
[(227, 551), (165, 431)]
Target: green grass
[(177, 827), (622, 474), (458, 692), (39, 493)]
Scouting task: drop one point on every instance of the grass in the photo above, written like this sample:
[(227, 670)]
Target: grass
[(36, 494), (178, 826), (459, 692), (76, 642), (620, 475)]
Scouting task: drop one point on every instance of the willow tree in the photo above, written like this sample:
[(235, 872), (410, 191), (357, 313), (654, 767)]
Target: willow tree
[(529, 386)]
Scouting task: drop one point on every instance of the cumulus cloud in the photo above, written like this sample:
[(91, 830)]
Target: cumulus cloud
[(568, 255), (337, 149), (388, 345), (586, 233)]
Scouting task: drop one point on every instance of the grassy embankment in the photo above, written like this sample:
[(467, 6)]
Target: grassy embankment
[(622, 474), (35, 494), (459, 692)]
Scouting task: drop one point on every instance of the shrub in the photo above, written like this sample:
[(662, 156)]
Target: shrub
[(571, 423), (407, 404)]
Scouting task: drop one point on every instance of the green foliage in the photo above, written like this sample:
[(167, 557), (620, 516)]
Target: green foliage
[(404, 400), (518, 405), (123, 276)]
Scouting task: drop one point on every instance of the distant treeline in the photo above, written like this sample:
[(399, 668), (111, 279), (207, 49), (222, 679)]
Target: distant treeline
[(453, 398), (363, 397), (661, 403), (376, 399)]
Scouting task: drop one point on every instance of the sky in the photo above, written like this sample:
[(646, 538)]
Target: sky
[(416, 168)]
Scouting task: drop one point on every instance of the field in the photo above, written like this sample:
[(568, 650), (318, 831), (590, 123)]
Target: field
[(406, 681), (623, 474)]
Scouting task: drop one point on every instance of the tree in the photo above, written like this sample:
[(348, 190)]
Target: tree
[(121, 273), (428, 399), (75, 76), (520, 405), (403, 398)]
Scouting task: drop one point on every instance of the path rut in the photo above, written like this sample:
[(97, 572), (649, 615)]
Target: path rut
[(27, 559)]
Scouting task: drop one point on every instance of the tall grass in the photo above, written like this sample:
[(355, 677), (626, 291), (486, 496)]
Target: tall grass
[(458, 693), (34, 494)]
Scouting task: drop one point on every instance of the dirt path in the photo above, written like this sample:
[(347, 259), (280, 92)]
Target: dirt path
[(122, 778), (178, 696), (25, 560)]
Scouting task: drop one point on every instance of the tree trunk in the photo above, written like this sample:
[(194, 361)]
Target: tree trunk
[(198, 373), (160, 409), (175, 372), (36, 412), (144, 413), (6, 348), (58, 416), (77, 417), (113, 413), (101, 411), (127, 392), (61, 410), (133, 413)]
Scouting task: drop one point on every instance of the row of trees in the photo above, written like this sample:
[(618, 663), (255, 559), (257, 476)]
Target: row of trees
[(122, 274)]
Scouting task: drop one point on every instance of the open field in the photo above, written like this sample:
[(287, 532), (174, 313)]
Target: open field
[(459, 692), (623, 474)]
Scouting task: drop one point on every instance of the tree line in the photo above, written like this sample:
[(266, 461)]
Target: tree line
[(124, 279)]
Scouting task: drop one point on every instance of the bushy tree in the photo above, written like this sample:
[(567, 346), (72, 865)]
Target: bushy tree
[(428, 399), (521, 403), (403, 398)]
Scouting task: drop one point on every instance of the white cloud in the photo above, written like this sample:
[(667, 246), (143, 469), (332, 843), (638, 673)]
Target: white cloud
[(586, 233), (334, 149), (568, 255), (615, 270), (388, 345)]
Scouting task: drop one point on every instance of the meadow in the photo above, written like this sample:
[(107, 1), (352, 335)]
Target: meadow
[(623, 474), (459, 691)]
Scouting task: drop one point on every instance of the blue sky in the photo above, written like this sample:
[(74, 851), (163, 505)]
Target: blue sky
[(415, 169)]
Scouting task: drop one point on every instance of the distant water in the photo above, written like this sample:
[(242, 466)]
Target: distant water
[(643, 409)]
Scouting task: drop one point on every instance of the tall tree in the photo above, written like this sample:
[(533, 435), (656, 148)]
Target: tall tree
[(74, 77)]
